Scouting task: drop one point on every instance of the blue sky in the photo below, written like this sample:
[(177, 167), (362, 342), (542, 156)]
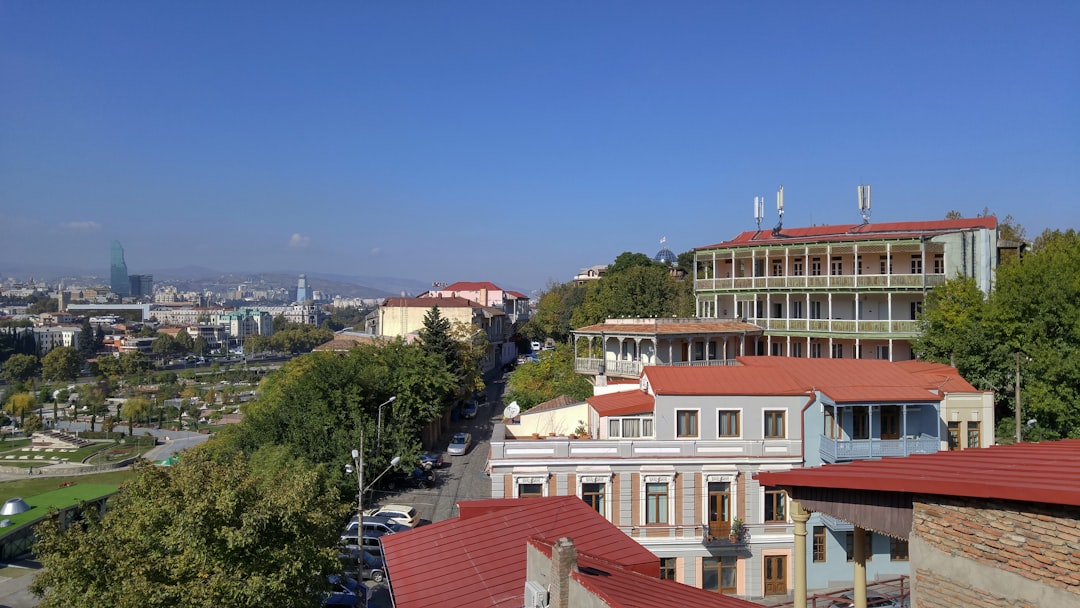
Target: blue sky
[(515, 142)]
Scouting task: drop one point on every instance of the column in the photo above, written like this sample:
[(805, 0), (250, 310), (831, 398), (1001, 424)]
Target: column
[(800, 516), (860, 567)]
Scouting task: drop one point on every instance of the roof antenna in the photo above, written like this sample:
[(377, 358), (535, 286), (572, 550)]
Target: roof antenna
[(780, 210), (759, 210), (864, 202)]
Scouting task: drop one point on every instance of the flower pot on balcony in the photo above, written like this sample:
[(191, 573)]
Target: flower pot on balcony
[(536, 435)]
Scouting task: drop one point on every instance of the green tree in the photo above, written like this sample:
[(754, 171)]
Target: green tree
[(435, 338), (200, 347), (134, 409), (183, 342), (32, 424), (215, 529), (632, 290), (163, 346), (473, 348), (257, 344), (87, 347), (61, 363), (550, 377), (43, 305), (19, 405), (554, 310), (134, 363), (279, 323), (19, 368)]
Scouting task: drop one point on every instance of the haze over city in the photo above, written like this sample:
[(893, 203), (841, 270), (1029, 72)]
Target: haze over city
[(515, 142)]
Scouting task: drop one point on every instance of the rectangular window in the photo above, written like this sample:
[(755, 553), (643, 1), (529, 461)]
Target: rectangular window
[(860, 423), (837, 351), (916, 263), (686, 423), (629, 428), (796, 309), (775, 506), (858, 264), (954, 436), (728, 423), (819, 543), (774, 425), (815, 350), (530, 490), (777, 268), (759, 268), (850, 545), (939, 263), (777, 349), (718, 574), (815, 310), (797, 267), (815, 267), (973, 440), (837, 266), (796, 349), (830, 423), (886, 264), (593, 495), (898, 550), (656, 503), (667, 568), (916, 310), (882, 352)]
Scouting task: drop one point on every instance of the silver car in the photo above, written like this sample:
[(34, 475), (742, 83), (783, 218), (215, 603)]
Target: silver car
[(459, 444)]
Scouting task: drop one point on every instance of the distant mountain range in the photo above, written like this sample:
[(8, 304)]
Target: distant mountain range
[(199, 278)]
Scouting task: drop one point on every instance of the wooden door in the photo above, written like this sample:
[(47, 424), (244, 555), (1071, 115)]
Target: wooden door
[(719, 509), (890, 422), (776, 575)]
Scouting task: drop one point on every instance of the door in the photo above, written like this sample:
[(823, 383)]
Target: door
[(890, 422), (775, 575), (719, 509)]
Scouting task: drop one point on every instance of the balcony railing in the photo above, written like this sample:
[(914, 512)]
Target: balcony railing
[(632, 369), (821, 282), (547, 448), (834, 450), (838, 326)]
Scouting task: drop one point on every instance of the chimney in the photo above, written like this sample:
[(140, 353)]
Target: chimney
[(563, 560)]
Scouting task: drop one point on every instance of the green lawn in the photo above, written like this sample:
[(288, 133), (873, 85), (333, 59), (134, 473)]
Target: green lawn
[(59, 497), (34, 486)]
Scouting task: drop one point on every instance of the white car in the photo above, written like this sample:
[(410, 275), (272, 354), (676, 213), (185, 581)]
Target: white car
[(459, 444), (402, 514)]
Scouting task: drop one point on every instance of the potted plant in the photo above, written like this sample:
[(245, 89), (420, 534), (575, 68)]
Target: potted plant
[(738, 530)]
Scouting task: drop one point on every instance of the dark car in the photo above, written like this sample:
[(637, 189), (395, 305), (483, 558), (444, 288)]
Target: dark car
[(417, 478), (468, 411), (431, 460)]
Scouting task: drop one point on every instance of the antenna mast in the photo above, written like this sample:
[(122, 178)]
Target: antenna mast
[(864, 202), (759, 210), (779, 210)]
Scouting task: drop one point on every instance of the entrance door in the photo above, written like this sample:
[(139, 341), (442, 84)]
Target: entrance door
[(775, 575), (890, 422), (719, 509)]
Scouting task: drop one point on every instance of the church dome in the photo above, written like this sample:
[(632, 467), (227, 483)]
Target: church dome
[(665, 256)]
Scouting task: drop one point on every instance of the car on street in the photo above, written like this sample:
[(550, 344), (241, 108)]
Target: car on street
[(419, 477), (468, 411), (431, 460), (401, 514), (459, 444)]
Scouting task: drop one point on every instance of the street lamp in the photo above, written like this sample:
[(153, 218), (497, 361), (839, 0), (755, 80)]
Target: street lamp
[(357, 467), (378, 432)]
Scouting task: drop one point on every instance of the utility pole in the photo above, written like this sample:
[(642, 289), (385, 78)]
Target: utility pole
[(1018, 397)]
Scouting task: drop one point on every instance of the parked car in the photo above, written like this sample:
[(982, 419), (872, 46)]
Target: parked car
[(417, 478), (345, 592), (368, 563), (468, 411), (401, 514), (374, 525), (459, 444), (431, 460)]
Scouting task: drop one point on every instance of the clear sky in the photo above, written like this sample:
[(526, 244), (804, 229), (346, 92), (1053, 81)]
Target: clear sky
[(515, 142)]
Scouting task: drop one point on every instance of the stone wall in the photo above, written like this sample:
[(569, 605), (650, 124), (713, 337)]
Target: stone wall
[(995, 554)]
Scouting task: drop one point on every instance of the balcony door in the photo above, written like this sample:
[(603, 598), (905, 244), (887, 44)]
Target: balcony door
[(890, 422), (719, 509)]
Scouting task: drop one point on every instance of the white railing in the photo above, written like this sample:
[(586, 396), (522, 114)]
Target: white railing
[(838, 281)]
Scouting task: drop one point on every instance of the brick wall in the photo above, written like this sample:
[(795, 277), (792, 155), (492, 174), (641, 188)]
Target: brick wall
[(1038, 543)]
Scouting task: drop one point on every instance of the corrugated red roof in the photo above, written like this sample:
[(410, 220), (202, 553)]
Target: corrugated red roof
[(479, 558), (622, 403), (666, 327), (620, 588), (842, 380), (472, 286), (518, 295), (556, 403), (1046, 472), (938, 376), (855, 232), (428, 302)]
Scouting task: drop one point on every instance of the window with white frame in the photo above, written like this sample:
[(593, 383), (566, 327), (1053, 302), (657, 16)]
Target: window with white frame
[(530, 485), (686, 423), (797, 267), (774, 424), (939, 263), (916, 263), (656, 494), (727, 423), (630, 427), (775, 506), (594, 490)]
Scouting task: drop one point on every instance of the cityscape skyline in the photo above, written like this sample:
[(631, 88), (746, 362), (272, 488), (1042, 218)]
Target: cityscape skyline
[(516, 144)]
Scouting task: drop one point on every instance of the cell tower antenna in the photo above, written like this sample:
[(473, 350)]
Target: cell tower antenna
[(759, 210), (779, 210), (864, 202)]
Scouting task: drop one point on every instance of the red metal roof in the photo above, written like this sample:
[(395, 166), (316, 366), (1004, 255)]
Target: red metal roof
[(666, 327), (842, 380), (441, 302), (478, 559), (622, 403), (553, 404), (1030, 472), (938, 376), (621, 587), (855, 232), (472, 286)]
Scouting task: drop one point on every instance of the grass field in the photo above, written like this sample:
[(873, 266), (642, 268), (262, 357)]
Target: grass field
[(34, 486)]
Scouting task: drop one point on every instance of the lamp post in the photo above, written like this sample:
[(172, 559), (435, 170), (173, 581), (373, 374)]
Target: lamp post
[(378, 432), (357, 467)]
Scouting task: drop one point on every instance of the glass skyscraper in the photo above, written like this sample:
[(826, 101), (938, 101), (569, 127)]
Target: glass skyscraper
[(118, 273)]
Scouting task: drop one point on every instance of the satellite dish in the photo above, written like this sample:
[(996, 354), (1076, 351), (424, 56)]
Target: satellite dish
[(511, 411)]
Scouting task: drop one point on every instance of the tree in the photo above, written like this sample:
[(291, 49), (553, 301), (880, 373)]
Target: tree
[(553, 375), (553, 311), (87, 347), (19, 405), (32, 424), (200, 347), (163, 346), (134, 409), (435, 339), (134, 363), (19, 368), (183, 342), (61, 363), (473, 347), (279, 323), (633, 290), (214, 529), (43, 305)]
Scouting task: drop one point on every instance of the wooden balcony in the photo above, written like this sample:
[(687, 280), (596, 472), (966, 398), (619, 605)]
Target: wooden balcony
[(833, 450), (868, 282)]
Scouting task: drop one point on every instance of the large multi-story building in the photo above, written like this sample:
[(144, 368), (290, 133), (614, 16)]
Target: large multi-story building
[(670, 459), (404, 317), (141, 285), (118, 272), (841, 292), (515, 304)]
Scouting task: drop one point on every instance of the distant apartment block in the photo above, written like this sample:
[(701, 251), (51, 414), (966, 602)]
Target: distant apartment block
[(141, 285), (840, 292), (515, 304), (404, 317)]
